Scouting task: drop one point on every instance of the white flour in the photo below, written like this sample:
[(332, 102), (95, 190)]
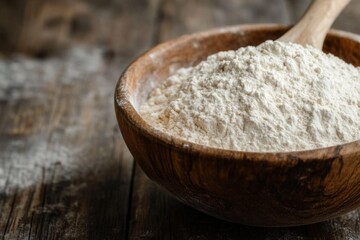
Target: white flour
[(23, 163), (274, 97)]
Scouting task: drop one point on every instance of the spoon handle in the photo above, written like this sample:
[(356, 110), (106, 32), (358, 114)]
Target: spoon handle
[(315, 23)]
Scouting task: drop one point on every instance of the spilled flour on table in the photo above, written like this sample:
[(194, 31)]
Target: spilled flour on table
[(27, 73), (25, 160), (273, 97)]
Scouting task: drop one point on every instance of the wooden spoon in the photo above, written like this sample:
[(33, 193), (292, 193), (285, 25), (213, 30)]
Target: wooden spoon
[(315, 23), (262, 189)]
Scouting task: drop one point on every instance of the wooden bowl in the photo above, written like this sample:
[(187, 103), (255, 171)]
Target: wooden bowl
[(252, 188)]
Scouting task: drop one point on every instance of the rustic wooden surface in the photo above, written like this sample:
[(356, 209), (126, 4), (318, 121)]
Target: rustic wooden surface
[(65, 172), (252, 188)]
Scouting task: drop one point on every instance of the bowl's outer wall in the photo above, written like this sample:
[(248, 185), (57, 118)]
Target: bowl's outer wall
[(268, 189)]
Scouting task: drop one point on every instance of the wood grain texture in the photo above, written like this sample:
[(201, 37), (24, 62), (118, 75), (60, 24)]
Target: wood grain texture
[(162, 217), (173, 23), (315, 23), (175, 20), (159, 216), (262, 189), (82, 194), (63, 163), (65, 172)]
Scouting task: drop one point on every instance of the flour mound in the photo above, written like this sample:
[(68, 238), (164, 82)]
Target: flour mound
[(273, 97)]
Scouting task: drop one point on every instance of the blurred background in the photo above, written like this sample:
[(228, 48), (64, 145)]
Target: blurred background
[(65, 171), (42, 27)]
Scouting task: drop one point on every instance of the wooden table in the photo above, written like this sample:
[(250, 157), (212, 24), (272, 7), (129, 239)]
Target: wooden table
[(65, 171)]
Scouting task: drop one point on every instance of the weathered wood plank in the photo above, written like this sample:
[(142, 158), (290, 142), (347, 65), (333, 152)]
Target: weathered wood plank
[(65, 172), (68, 177), (344, 227), (155, 214), (348, 226), (159, 216)]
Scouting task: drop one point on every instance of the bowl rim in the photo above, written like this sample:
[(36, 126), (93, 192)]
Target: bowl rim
[(123, 104)]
